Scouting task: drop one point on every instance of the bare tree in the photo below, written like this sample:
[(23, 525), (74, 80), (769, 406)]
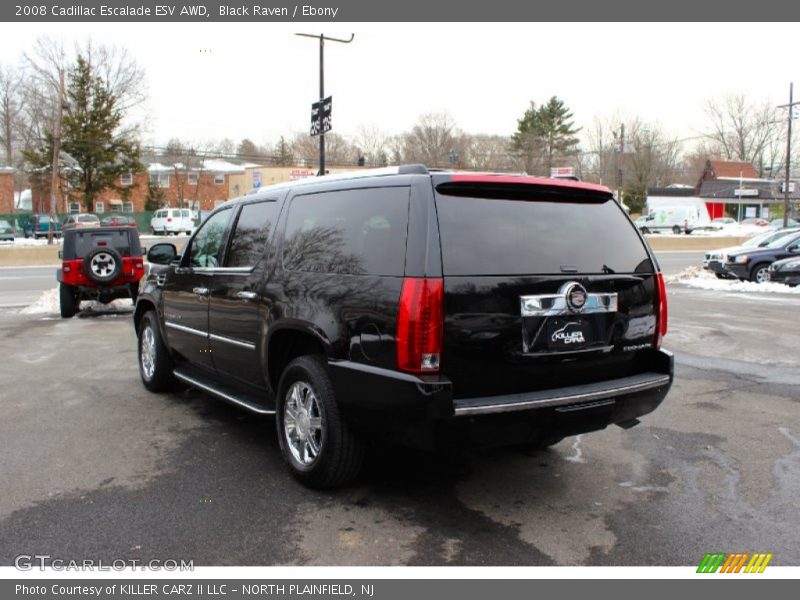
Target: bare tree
[(372, 143), (11, 112), (338, 151), (746, 131), (651, 159), (433, 141), (487, 152), (183, 159)]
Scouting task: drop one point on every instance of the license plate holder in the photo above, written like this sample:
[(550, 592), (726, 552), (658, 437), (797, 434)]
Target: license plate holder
[(568, 334)]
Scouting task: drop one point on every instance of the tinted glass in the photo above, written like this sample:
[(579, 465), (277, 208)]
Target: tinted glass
[(85, 242), (783, 240), (185, 213), (482, 236), (358, 232), (206, 245), (253, 228)]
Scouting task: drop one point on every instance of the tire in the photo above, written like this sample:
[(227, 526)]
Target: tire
[(316, 443), (155, 366), (676, 230), (102, 265), (68, 301), (760, 273), (645, 230)]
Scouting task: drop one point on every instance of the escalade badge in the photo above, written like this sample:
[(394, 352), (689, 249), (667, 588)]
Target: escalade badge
[(575, 295)]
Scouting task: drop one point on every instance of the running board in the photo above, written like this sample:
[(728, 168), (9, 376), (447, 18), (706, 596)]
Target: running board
[(223, 394)]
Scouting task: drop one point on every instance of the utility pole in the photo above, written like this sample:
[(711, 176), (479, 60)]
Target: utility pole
[(56, 152), (789, 106), (620, 159), (322, 39)]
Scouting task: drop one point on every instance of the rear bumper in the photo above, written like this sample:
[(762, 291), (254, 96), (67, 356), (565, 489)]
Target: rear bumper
[(422, 412)]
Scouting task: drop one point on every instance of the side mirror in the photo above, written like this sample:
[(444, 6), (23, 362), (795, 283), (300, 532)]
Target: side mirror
[(162, 254)]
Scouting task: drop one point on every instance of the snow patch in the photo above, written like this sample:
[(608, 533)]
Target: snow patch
[(21, 241), (49, 303), (699, 278)]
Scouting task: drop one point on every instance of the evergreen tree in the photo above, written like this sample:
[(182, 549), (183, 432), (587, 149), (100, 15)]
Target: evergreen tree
[(545, 135), (91, 134)]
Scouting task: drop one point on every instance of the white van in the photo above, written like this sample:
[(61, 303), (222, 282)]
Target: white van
[(679, 219), (172, 220)]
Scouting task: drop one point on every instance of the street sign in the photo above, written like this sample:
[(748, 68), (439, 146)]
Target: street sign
[(256, 179), (556, 172), (321, 119), (745, 192)]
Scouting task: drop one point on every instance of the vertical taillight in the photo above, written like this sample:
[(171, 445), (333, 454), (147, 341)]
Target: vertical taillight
[(661, 310), (420, 325)]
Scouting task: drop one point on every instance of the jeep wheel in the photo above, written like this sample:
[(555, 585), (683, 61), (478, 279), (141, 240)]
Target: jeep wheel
[(155, 367), (68, 301), (760, 273), (103, 265), (315, 441), (676, 230)]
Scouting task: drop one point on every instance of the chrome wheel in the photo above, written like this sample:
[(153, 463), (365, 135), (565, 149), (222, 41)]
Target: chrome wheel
[(761, 275), (147, 352), (103, 264), (302, 423)]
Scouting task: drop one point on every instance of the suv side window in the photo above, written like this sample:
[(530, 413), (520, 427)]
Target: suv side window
[(253, 229), (206, 245), (356, 232)]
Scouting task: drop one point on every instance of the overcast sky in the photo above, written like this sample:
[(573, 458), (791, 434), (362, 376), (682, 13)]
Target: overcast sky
[(258, 80)]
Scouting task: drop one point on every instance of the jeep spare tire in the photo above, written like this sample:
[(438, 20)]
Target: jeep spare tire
[(102, 265)]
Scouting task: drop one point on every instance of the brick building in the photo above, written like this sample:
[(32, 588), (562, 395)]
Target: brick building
[(200, 189), (729, 188), (6, 190)]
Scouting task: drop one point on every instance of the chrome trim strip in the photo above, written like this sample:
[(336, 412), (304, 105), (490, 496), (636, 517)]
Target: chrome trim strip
[(223, 395), (235, 342), (551, 305), (574, 398), (185, 329)]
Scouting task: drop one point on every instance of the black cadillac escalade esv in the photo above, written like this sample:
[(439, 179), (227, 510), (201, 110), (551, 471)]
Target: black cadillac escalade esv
[(413, 306)]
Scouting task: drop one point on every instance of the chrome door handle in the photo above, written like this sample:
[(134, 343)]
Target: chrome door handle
[(200, 291), (246, 295)]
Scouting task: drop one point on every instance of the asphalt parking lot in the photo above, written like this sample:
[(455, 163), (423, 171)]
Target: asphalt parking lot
[(94, 466)]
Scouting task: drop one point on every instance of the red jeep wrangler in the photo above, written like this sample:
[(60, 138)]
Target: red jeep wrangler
[(99, 263)]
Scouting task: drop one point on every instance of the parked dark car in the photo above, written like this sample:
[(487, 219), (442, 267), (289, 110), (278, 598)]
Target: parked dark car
[(753, 264), (715, 260), (786, 271), (99, 263), (38, 226), (6, 231), (416, 307)]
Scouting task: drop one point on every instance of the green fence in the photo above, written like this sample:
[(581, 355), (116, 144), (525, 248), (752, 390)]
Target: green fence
[(20, 219)]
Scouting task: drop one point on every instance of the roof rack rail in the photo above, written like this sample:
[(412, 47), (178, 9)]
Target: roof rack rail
[(416, 169)]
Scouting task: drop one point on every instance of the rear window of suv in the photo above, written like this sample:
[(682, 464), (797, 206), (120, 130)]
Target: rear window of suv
[(355, 232), (528, 232), (88, 241)]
